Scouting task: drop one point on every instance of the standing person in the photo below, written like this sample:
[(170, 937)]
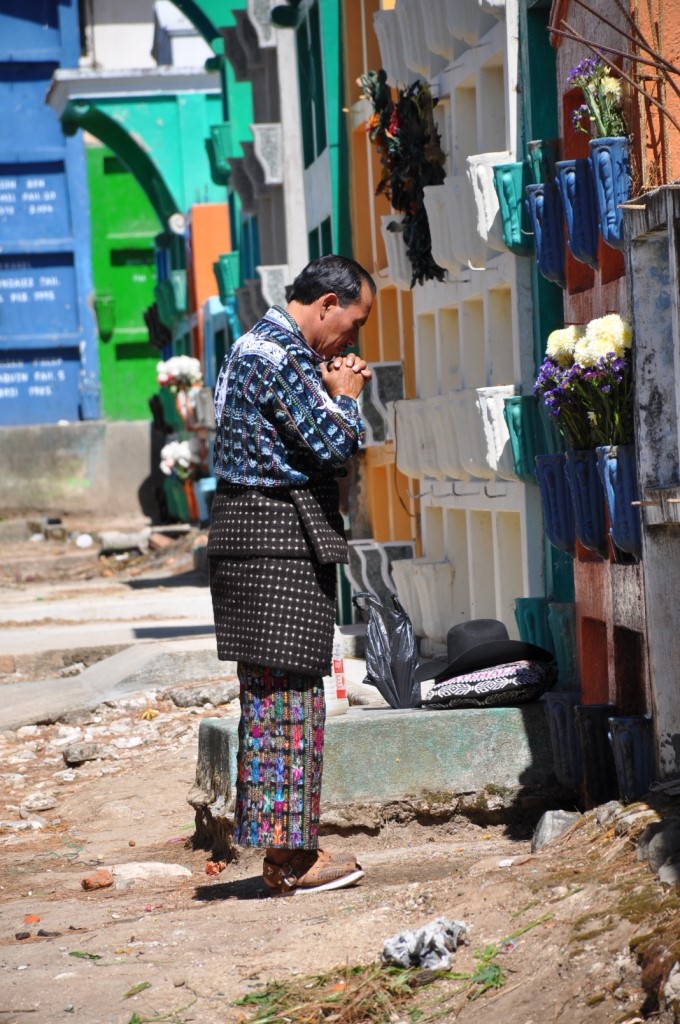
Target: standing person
[(287, 422)]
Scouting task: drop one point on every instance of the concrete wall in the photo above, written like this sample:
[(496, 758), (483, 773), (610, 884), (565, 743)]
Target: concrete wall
[(93, 467)]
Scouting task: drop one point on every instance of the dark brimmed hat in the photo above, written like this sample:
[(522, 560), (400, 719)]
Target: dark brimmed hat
[(477, 644)]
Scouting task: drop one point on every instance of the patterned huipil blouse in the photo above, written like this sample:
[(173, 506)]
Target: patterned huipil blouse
[(276, 424), (276, 533)]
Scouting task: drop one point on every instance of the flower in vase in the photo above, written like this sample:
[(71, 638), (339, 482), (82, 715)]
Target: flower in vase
[(586, 383), (180, 458), (603, 336), (601, 115), (179, 371), (562, 342)]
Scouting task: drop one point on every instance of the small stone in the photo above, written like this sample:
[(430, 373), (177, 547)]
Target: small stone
[(24, 731), (132, 842), (22, 935), (669, 872), (77, 753), (38, 802), (196, 696), (149, 869), (645, 839), (604, 812), (118, 542), (99, 879), (128, 742), (179, 982), (664, 844), (31, 825), (671, 992), (71, 670), (551, 825)]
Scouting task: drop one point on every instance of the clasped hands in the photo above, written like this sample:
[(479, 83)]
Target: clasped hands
[(345, 375)]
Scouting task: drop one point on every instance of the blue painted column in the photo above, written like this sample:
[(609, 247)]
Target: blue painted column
[(48, 357)]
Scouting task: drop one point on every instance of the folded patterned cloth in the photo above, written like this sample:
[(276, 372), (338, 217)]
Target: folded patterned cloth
[(498, 686)]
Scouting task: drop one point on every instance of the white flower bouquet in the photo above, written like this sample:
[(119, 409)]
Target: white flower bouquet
[(586, 382), (181, 458), (179, 371)]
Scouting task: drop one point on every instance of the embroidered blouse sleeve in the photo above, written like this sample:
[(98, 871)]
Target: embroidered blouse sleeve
[(331, 429)]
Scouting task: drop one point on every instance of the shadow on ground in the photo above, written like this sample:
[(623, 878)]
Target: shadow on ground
[(168, 632), (190, 578), (243, 889)]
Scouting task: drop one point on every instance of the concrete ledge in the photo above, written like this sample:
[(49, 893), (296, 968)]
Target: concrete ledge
[(147, 665), (376, 756), (100, 467)]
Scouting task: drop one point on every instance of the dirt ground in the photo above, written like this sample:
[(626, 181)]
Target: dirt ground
[(582, 931)]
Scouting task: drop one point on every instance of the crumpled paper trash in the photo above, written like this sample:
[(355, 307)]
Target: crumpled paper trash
[(430, 946)]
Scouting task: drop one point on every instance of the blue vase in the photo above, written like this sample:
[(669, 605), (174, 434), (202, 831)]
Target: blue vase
[(617, 468), (610, 165), (588, 499), (531, 616), (554, 440), (631, 738), (599, 770), (579, 202), (566, 747), (509, 181), (558, 510), (527, 438), (562, 622), (541, 157), (545, 212)]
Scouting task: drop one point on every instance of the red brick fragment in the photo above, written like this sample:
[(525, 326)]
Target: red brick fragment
[(99, 879)]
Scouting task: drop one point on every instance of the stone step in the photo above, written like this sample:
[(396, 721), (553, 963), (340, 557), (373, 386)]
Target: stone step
[(374, 756)]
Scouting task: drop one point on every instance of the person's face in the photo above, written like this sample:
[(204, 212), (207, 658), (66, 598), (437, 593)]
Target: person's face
[(339, 326)]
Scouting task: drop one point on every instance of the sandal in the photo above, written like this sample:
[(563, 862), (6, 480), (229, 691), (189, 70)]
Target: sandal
[(311, 871)]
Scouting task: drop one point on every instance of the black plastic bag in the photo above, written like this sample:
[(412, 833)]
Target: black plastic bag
[(391, 652)]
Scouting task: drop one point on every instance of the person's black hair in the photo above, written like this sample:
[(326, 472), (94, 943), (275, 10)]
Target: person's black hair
[(330, 274)]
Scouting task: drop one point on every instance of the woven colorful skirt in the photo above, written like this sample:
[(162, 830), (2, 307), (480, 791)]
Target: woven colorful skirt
[(280, 758)]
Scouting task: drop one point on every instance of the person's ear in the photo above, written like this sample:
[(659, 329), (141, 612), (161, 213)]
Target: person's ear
[(328, 302)]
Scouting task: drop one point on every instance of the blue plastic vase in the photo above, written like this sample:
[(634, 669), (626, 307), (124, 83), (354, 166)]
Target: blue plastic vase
[(632, 742), (531, 616), (558, 510), (618, 473), (588, 499), (566, 746), (579, 202), (509, 181), (527, 437), (599, 770), (610, 164), (545, 212), (562, 622)]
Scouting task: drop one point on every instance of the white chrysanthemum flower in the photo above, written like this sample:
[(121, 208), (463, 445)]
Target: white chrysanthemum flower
[(587, 352), (562, 342), (611, 87), (180, 370), (179, 454), (611, 332)]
